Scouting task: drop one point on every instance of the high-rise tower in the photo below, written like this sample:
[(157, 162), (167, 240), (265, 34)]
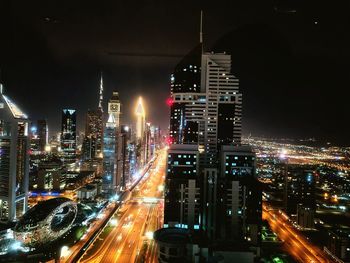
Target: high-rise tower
[(223, 107), (114, 108), (221, 195), (14, 164), (43, 134), (109, 179), (94, 125), (140, 119), (69, 135), (186, 88)]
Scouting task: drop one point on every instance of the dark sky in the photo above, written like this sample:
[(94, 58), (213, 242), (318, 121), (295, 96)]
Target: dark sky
[(292, 58)]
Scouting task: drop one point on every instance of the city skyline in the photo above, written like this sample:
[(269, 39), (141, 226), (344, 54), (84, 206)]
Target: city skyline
[(282, 41), (161, 132)]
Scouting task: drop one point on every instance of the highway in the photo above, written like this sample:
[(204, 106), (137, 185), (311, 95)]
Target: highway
[(294, 242), (128, 237), (94, 227)]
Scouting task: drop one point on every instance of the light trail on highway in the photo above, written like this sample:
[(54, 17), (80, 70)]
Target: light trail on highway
[(130, 238), (294, 242)]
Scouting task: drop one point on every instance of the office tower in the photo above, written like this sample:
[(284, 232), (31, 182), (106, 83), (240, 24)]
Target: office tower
[(147, 143), (94, 130), (239, 200), (50, 175), (68, 135), (186, 88), (209, 113), (140, 120), (153, 140), (114, 107), (205, 108), (223, 107), (88, 151), (14, 165), (300, 190), (34, 140), (94, 125), (182, 191), (43, 134), (124, 153), (109, 179)]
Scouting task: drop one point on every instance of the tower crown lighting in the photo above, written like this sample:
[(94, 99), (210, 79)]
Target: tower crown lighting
[(140, 110)]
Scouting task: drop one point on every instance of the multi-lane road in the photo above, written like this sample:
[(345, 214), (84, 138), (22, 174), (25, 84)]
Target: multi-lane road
[(294, 242), (128, 235)]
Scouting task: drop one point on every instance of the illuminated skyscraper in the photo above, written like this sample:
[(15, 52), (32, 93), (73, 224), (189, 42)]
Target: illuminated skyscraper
[(94, 124), (125, 153), (14, 161), (94, 129), (205, 113), (182, 191), (43, 134), (223, 107), (238, 212), (185, 88), (114, 108), (69, 135), (109, 179), (88, 148), (140, 121)]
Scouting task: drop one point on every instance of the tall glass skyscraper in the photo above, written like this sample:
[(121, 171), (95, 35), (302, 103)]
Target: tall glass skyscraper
[(205, 109), (109, 179), (186, 84), (43, 134), (69, 135), (14, 160)]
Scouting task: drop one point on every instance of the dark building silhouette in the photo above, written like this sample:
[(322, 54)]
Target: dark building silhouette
[(43, 134)]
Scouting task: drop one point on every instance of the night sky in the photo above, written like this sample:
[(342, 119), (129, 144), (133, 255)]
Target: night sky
[(292, 58)]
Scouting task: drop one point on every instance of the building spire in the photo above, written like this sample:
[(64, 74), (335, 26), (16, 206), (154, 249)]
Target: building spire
[(201, 29), (101, 94)]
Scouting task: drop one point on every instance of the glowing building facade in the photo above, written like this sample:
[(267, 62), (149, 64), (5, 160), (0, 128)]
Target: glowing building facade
[(114, 107), (69, 135), (205, 113), (140, 120), (94, 127), (109, 179), (14, 161)]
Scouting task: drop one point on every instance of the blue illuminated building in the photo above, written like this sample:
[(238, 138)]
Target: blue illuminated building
[(109, 179)]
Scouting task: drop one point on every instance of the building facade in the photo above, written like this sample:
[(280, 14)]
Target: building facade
[(182, 190), (43, 134), (109, 179), (222, 197), (114, 107), (300, 195), (239, 201), (94, 131), (69, 135), (14, 163)]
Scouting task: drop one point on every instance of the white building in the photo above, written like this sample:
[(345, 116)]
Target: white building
[(14, 164)]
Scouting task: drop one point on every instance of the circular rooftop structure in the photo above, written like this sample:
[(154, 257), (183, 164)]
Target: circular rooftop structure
[(175, 236), (46, 221), (173, 245)]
